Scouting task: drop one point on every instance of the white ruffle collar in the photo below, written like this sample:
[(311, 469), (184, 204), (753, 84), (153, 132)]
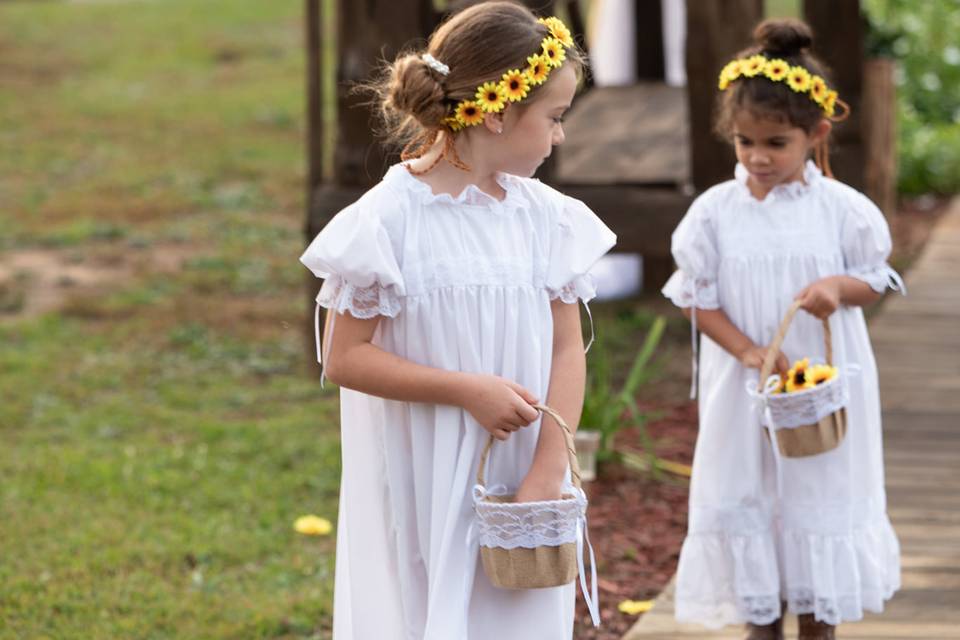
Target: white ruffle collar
[(471, 195), (789, 191)]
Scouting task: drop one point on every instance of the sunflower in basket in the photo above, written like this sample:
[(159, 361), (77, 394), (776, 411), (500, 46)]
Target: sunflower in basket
[(803, 376)]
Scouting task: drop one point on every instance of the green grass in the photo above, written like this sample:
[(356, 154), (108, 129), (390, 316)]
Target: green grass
[(160, 437)]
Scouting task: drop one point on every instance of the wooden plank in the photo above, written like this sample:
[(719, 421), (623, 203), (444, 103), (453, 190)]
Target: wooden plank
[(637, 134)]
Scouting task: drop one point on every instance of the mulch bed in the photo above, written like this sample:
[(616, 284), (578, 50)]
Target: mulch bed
[(638, 522)]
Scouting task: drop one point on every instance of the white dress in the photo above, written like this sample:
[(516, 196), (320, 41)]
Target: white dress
[(462, 284), (825, 545)]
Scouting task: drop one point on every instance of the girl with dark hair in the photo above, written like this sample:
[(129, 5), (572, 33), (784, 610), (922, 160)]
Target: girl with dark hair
[(769, 533)]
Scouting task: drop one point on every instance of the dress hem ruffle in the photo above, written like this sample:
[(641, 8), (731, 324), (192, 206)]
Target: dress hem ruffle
[(732, 579)]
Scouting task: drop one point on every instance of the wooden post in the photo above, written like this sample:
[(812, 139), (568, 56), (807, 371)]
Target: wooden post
[(838, 41), (880, 133), (716, 30), (312, 26), (367, 32), (649, 29)]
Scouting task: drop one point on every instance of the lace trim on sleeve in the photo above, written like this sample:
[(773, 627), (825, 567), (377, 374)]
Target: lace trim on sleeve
[(686, 291), (361, 302), (580, 288)]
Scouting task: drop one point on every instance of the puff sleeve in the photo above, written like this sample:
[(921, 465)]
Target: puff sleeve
[(694, 248), (356, 258), (578, 239), (866, 244)]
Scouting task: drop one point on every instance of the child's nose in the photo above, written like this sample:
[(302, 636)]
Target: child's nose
[(559, 136)]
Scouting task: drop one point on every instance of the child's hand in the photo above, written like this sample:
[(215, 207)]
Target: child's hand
[(752, 357), (536, 487), (500, 406), (821, 298)]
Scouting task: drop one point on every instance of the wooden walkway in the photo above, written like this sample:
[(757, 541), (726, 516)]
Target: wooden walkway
[(917, 345)]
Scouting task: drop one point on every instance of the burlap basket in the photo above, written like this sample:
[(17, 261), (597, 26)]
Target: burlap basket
[(807, 422), (531, 545)]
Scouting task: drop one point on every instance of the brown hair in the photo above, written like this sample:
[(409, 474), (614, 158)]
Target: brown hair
[(478, 44), (789, 40)]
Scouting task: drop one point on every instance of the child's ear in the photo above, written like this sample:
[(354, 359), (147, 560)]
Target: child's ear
[(493, 122), (820, 131)]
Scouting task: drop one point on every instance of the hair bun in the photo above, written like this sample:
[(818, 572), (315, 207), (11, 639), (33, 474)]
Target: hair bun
[(415, 89), (783, 37)]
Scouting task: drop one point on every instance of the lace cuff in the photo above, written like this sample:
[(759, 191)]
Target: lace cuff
[(880, 277), (580, 288), (361, 302), (686, 291)]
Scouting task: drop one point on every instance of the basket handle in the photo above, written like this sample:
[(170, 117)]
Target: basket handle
[(567, 437), (774, 348)]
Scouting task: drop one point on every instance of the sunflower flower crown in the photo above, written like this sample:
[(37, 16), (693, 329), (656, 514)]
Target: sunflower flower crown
[(779, 70), (515, 84)]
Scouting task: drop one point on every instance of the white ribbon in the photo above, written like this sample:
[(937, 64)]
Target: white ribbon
[(591, 597), (321, 355), (695, 365), (590, 318), (896, 282)]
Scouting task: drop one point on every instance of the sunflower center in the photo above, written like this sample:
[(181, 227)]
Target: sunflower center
[(514, 85)]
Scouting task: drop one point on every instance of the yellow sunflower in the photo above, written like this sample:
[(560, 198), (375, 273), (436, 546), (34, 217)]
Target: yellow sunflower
[(818, 89), (469, 113), (491, 97), (453, 123), (558, 30), (821, 373), (538, 69), (753, 66), (797, 381), (516, 84), (799, 79), (829, 102), (730, 72), (553, 51), (776, 69), (797, 377)]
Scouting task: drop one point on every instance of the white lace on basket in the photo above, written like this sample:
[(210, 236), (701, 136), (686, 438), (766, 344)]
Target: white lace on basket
[(509, 525), (798, 408)]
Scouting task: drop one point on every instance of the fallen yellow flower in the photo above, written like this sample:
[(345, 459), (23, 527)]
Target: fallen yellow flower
[(635, 607), (313, 526)]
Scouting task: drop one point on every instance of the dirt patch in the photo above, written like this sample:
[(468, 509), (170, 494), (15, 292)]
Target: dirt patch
[(40, 280)]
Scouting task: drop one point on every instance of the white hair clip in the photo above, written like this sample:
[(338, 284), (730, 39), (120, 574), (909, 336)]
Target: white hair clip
[(435, 64)]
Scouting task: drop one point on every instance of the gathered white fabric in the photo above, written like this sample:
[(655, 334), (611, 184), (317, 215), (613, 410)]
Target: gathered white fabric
[(812, 531), (459, 283)]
